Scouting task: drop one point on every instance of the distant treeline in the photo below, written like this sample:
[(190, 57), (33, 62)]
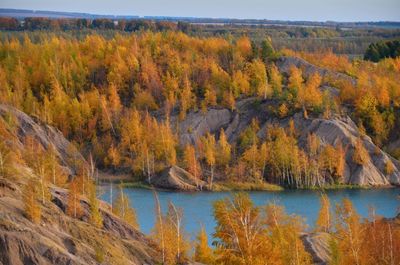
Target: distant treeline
[(21, 14), (42, 23), (383, 49), (350, 41)]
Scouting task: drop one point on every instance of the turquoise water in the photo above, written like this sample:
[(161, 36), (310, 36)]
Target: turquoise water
[(197, 207)]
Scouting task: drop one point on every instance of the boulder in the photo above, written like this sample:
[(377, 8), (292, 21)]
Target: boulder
[(176, 178)]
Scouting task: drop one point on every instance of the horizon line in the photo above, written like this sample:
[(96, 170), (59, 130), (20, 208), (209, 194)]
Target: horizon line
[(192, 17)]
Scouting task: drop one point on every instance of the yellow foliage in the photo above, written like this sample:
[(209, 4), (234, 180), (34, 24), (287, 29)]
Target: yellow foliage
[(283, 110), (389, 167), (360, 154), (123, 209), (31, 201), (324, 220), (74, 207), (202, 252)]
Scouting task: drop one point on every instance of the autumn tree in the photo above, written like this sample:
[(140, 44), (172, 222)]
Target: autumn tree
[(241, 235), (295, 80), (177, 245), (249, 135), (37, 157), (360, 154), (208, 143), (285, 233), (210, 98), (186, 98), (113, 158), (243, 45), (6, 160), (123, 209), (240, 83), (31, 197), (74, 207), (96, 217), (248, 234), (202, 251), (250, 157), (340, 161), (159, 229), (349, 233), (389, 167), (285, 158), (169, 233), (114, 102), (267, 52), (223, 150), (144, 100), (191, 162), (381, 243), (324, 220), (132, 140), (263, 157), (275, 79), (57, 176), (169, 143), (311, 96), (171, 85), (283, 110), (258, 79)]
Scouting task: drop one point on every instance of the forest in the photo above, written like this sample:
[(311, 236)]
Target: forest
[(121, 101), (381, 50), (244, 233), (119, 94), (342, 38)]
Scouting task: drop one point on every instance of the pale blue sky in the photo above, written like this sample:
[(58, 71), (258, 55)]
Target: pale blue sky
[(311, 10)]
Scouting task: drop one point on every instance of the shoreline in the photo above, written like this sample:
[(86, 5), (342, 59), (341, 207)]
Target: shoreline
[(243, 186)]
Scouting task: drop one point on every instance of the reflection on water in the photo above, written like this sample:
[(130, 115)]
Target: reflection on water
[(197, 207)]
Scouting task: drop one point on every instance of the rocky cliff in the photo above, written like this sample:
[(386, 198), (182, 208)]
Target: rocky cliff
[(317, 244), (26, 126), (284, 63), (338, 128), (60, 239), (57, 238)]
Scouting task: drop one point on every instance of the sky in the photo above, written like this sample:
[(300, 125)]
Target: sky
[(310, 10)]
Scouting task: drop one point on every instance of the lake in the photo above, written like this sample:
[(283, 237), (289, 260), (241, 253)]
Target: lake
[(197, 207)]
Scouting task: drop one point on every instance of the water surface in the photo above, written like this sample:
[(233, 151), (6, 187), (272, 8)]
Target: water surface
[(197, 207)]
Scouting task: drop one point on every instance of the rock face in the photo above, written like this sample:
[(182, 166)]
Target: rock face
[(176, 178), (329, 131), (284, 63), (317, 244), (197, 124), (343, 130), (60, 239), (46, 135)]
